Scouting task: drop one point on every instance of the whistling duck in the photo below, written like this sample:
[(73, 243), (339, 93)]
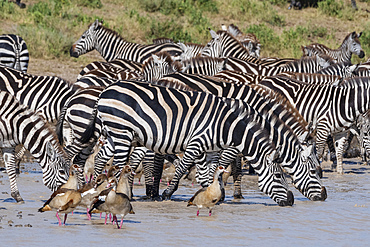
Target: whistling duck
[(62, 200), (208, 197)]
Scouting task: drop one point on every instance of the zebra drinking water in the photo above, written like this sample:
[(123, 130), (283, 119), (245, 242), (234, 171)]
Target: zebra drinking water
[(20, 125)]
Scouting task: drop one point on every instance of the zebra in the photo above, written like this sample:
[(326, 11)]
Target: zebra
[(158, 65), (280, 113), (350, 45), (331, 109), (204, 65), (112, 46), (303, 65), (120, 64), (20, 125), (190, 50), (164, 126), (14, 52), (248, 40)]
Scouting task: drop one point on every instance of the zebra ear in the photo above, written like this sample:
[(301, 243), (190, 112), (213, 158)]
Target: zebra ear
[(359, 35), (223, 27), (182, 46), (213, 34), (155, 58), (353, 35), (50, 151)]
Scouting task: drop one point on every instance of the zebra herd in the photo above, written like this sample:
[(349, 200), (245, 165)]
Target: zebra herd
[(192, 104)]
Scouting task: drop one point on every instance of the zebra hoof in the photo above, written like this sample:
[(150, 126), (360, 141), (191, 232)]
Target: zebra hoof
[(166, 195), (17, 197)]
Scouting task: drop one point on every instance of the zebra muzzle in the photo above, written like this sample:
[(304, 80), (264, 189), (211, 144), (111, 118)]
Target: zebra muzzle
[(289, 201), (362, 54)]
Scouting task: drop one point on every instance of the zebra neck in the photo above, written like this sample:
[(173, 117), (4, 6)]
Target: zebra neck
[(112, 46)]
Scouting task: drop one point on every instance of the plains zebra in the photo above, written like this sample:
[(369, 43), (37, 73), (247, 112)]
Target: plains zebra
[(158, 65), (303, 65), (161, 122), (248, 40), (282, 117), (13, 52), (350, 45), (120, 64), (331, 109), (190, 50), (112, 46), (20, 125)]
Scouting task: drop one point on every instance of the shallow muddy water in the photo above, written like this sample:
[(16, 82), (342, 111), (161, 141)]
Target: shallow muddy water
[(342, 220)]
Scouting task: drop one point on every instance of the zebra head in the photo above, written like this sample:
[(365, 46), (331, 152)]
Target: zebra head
[(86, 42), (354, 44), (272, 181), (307, 180), (54, 167), (159, 65), (213, 48)]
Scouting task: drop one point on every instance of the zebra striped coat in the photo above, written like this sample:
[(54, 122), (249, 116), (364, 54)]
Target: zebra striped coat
[(159, 119), (14, 52), (20, 125), (112, 46)]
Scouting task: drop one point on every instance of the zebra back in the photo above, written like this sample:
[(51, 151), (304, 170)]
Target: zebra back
[(343, 69), (44, 94), (14, 52), (204, 65)]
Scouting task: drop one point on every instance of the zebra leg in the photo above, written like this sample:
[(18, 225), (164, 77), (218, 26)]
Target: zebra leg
[(148, 173), (136, 158), (236, 167), (339, 144), (157, 174), (333, 158), (192, 151), (9, 159), (347, 147)]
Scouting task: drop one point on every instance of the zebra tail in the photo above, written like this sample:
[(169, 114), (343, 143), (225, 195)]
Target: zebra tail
[(59, 126), (90, 128)]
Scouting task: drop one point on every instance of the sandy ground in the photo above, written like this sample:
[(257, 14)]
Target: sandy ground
[(342, 220)]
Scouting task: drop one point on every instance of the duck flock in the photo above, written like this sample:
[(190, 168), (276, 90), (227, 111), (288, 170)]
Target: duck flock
[(168, 111)]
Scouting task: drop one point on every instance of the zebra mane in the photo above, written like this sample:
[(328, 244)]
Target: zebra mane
[(109, 31), (277, 98), (315, 59), (162, 40), (175, 84)]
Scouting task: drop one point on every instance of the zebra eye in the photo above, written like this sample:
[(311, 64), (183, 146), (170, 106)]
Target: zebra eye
[(313, 172), (62, 172), (83, 36), (278, 175)]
